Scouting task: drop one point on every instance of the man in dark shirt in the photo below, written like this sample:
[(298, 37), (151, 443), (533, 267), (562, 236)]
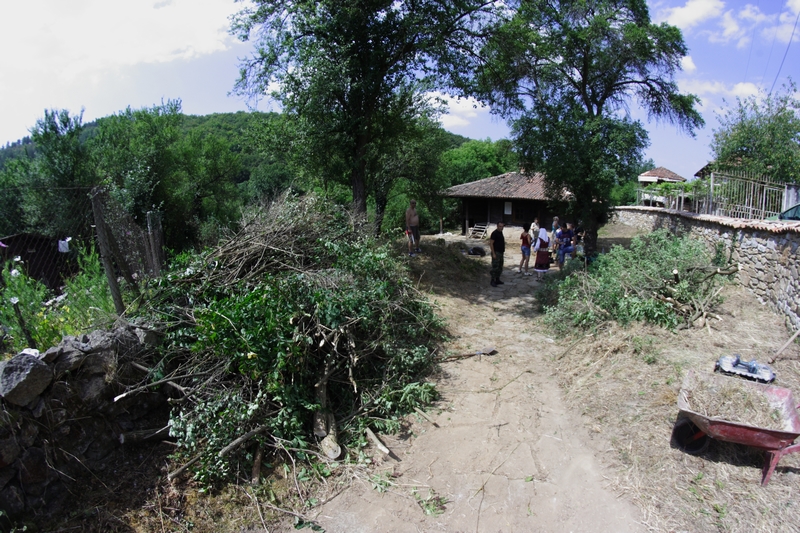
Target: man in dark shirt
[(497, 244)]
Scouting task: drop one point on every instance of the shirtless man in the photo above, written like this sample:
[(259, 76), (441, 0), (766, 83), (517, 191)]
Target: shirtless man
[(412, 228)]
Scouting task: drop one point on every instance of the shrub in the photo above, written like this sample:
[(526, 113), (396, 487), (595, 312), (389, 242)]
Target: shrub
[(84, 304), (299, 302), (637, 284)]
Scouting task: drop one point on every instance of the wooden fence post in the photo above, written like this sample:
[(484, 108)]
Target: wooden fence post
[(105, 252), (154, 239)]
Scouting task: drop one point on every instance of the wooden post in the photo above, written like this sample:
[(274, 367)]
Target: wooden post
[(105, 253), (121, 262), (22, 325), (710, 207), (154, 236)]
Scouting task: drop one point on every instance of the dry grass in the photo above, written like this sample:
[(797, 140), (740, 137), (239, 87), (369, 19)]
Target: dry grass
[(627, 382), (734, 401)]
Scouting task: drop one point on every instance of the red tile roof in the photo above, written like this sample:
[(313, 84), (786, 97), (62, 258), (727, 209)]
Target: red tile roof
[(662, 173), (511, 185)]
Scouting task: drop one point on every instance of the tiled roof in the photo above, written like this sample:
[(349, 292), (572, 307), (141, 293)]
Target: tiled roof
[(662, 174), (511, 185)]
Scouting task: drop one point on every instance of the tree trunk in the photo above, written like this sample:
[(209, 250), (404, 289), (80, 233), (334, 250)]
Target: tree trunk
[(381, 200), (590, 239), (358, 180)]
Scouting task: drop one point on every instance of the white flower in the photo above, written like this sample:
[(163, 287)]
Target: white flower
[(14, 273)]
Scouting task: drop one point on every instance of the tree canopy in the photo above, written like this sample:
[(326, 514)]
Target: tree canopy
[(761, 135), (566, 72), (350, 72)]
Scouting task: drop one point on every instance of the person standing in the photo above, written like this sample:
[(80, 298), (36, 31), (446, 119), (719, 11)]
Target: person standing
[(541, 261), (527, 240), (497, 245), (412, 228)]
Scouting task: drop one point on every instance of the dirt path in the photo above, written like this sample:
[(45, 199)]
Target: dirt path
[(508, 454)]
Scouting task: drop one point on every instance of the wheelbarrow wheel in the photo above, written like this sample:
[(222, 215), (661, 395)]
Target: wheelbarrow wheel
[(689, 438)]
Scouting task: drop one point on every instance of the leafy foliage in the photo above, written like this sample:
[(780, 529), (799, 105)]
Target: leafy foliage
[(327, 305), (761, 134), (566, 70), (636, 284), (84, 304), (351, 74)]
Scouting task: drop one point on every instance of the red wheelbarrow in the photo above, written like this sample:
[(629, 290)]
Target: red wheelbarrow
[(776, 443)]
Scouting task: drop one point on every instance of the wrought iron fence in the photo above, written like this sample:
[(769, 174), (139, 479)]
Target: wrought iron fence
[(743, 196)]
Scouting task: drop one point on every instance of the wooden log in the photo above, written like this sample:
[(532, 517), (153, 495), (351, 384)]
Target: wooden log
[(376, 441), (255, 474)]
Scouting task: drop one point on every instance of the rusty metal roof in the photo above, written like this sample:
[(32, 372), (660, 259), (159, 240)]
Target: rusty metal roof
[(511, 185), (660, 173)]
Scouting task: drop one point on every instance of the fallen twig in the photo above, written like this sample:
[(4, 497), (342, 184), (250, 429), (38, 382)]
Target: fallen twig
[(422, 413), (375, 440), (782, 348)]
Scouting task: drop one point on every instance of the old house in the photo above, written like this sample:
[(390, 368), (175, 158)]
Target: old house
[(512, 198)]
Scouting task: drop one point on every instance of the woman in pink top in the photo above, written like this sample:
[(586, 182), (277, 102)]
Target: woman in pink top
[(527, 240)]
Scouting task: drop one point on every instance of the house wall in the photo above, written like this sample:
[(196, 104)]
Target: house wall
[(767, 251), (476, 210)]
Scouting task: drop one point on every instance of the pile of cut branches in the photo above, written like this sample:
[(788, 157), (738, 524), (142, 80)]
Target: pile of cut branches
[(662, 279), (293, 332)]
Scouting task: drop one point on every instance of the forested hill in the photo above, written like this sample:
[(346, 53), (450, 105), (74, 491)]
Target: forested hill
[(231, 127)]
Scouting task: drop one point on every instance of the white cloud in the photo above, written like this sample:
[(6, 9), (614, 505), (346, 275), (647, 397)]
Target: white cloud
[(466, 116), (730, 28), (687, 64), (743, 90), (692, 13), (81, 37), (93, 54), (461, 112)]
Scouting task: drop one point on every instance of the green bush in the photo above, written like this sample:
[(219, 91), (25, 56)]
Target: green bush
[(634, 284), (84, 304), (298, 298)]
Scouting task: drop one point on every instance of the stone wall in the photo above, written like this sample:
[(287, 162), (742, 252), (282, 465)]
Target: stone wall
[(59, 421), (767, 251)]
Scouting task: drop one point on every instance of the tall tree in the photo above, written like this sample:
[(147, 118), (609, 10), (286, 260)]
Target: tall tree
[(341, 66), (58, 179), (761, 134), (566, 71)]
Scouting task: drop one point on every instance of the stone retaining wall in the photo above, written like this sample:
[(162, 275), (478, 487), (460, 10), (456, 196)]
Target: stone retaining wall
[(767, 251), (60, 422)]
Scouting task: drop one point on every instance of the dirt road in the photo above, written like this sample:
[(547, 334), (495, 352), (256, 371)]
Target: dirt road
[(507, 455)]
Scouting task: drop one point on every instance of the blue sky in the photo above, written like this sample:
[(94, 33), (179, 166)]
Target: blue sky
[(102, 56)]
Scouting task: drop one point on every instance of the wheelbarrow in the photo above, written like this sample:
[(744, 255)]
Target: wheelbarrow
[(775, 443)]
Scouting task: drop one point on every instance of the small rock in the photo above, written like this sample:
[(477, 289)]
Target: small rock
[(12, 500), (23, 378), (9, 451), (33, 471)]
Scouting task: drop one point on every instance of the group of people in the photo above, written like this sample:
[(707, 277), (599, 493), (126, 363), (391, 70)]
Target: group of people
[(563, 239), (536, 241)]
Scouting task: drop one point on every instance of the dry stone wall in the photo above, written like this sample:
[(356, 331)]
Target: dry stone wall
[(59, 421), (767, 251)]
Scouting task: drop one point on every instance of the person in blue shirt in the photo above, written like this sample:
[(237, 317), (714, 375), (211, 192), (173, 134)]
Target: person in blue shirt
[(565, 239)]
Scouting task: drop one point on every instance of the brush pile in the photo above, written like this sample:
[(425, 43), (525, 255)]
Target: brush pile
[(296, 329), (662, 279)]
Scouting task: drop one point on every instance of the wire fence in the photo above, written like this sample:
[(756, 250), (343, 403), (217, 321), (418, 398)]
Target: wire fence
[(77, 243), (743, 196)]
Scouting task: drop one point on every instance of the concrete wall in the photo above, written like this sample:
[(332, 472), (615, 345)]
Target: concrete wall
[(767, 251)]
